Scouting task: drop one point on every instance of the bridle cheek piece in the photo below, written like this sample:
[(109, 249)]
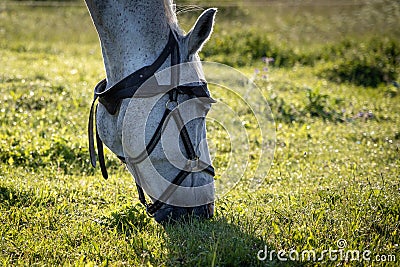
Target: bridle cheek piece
[(112, 98)]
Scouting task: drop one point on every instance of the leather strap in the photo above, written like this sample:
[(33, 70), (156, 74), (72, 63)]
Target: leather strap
[(100, 150), (153, 141), (90, 133)]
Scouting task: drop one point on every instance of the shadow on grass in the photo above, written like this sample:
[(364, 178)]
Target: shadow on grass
[(193, 242)]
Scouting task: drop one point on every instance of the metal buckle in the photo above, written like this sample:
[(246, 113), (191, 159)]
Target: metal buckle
[(193, 164)]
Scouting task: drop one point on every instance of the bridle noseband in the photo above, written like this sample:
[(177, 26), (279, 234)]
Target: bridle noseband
[(112, 98)]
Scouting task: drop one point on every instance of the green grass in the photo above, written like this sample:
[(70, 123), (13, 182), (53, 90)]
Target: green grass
[(336, 167)]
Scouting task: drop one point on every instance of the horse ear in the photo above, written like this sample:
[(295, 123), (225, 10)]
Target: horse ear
[(201, 31)]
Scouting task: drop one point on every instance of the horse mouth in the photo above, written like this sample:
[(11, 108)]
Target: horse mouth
[(169, 214)]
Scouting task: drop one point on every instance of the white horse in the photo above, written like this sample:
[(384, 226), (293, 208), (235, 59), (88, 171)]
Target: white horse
[(138, 38)]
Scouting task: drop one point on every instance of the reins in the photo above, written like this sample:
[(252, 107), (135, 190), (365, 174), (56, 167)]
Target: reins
[(126, 88)]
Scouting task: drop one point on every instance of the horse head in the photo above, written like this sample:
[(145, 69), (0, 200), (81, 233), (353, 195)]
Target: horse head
[(153, 104)]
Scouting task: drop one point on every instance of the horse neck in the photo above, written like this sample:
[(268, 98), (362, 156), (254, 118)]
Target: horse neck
[(132, 34)]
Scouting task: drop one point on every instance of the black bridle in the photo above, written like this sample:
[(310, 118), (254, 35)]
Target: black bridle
[(112, 98)]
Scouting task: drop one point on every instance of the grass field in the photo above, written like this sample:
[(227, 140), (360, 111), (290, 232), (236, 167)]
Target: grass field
[(334, 94)]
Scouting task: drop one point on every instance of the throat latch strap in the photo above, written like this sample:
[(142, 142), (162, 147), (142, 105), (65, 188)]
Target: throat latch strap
[(100, 150)]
